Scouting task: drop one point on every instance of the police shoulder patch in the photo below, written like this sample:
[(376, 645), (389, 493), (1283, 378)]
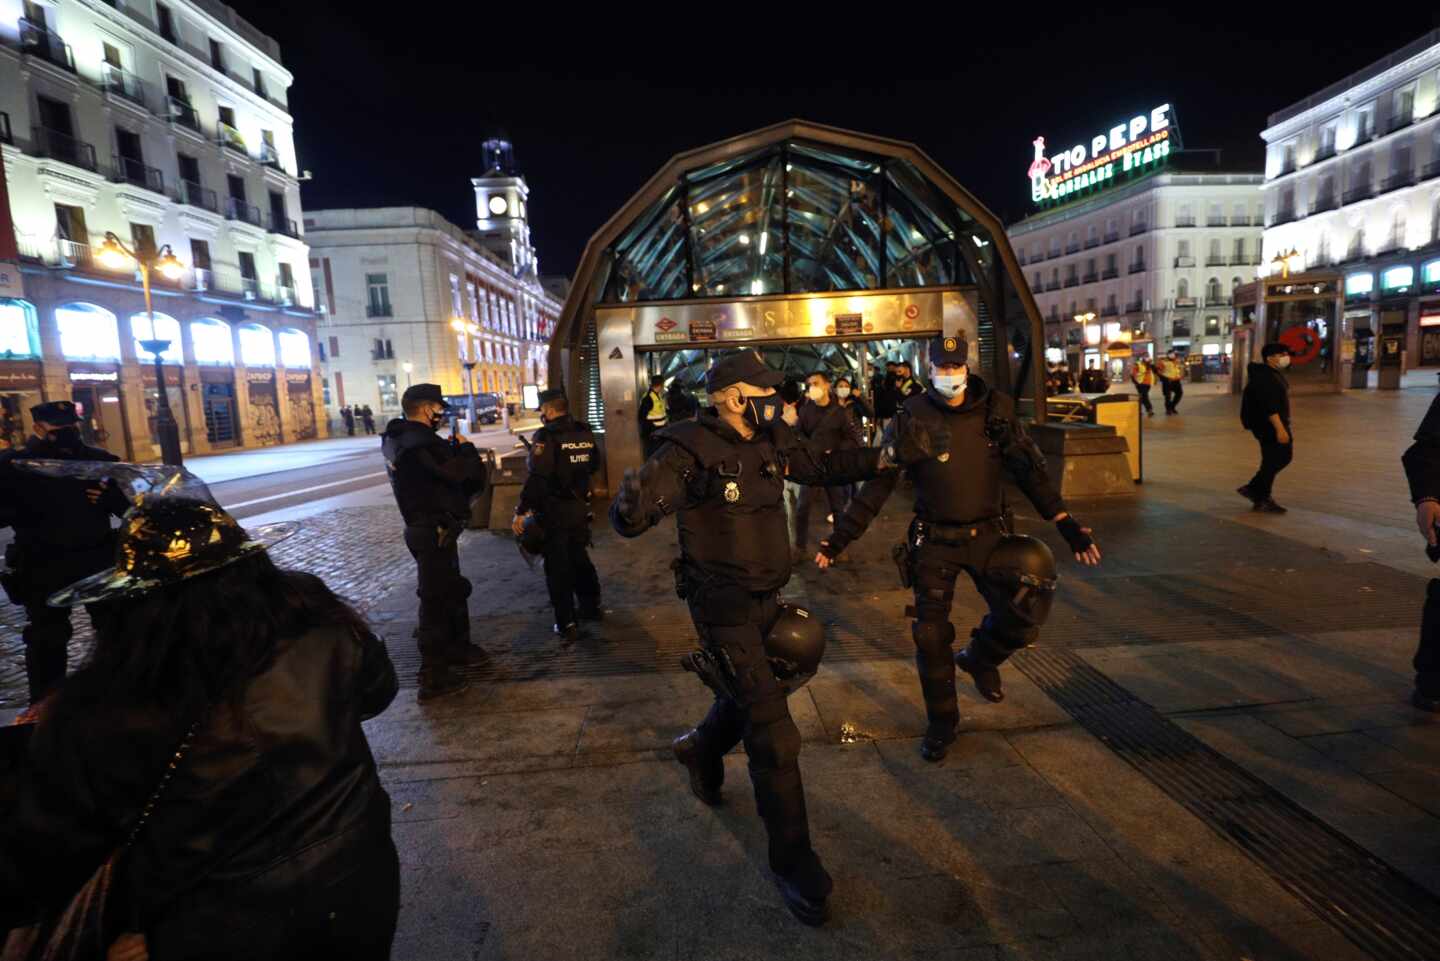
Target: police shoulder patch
[(951, 343)]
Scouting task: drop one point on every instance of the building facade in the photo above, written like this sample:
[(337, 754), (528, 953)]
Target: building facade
[(1155, 261), (408, 297), (1352, 188), (165, 124)]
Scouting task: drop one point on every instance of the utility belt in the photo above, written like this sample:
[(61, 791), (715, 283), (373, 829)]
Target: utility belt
[(690, 581), (958, 534)]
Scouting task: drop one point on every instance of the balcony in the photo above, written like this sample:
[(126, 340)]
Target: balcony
[(1217, 301), (1431, 171), (280, 224), (1092, 242), (1052, 285), (1137, 267), (1185, 303), (203, 279), (128, 170), (1090, 278), (237, 209), (1072, 281), (1287, 166), (1215, 260), (228, 136), (1135, 307), (195, 195), (285, 295), (1110, 310), (1240, 260), (1400, 121), (1072, 248), (1110, 273), (1323, 203), (1185, 261), (74, 254), (1137, 229), (381, 309), (1184, 221), (65, 148), (180, 112), (1404, 178), (1284, 216), (270, 157), (1244, 220), (1179, 330), (1325, 152), (5, 135), (250, 288), (1110, 238), (39, 42), (1356, 194), (122, 83), (1216, 222)]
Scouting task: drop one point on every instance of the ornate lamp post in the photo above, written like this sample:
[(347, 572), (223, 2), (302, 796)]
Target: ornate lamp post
[(469, 329), (116, 255)]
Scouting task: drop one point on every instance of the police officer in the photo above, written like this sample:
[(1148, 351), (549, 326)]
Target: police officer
[(724, 474), (826, 425), (433, 480), (557, 496), (1421, 461), (653, 413), (62, 534), (960, 527)]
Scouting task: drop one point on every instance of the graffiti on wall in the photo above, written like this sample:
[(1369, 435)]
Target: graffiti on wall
[(302, 414), (264, 421)]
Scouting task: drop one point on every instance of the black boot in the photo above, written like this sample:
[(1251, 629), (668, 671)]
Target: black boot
[(936, 744), (440, 681), (568, 634), (806, 890), (590, 609), (469, 655), (707, 773), (983, 670)]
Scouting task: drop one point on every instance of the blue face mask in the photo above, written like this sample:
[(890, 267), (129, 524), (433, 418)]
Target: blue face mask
[(948, 385), (763, 411)]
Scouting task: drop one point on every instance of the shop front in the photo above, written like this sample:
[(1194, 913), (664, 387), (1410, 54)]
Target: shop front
[(1429, 333), (300, 407), (95, 389), (175, 394), (20, 390), (1305, 312), (262, 415)]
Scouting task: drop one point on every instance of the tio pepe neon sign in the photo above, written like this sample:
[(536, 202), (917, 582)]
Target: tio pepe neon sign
[(1140, 142)]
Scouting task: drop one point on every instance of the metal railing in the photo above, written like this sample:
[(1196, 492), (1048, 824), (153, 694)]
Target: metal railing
[(1215, 260), (237, 209), (1179, 330), (1136, 229), (128, 170), (1072, 248), (1395, 181), (1221, 301), (1110, 273), (1092, 242), (1321, 204), (118, 80), (1363, 192), (72, 253), (1216, 222), (228, 136), (1185, 261), (1284, 216), (1110, 310), (284, 294), (284, 225), (269, 156), (202, 279), (37, 41), (1184, 221), (1090, 278), (5, 135), (1239, 260), (1111, 238), (1431, 171), (1135, 307), (1072, 281), (195, 195), (1184, 303), (1286, 167), (1137, 267), (61, 146), (1400, 121), (1052, 285), (1242, 221), (1325, 152), (250, 288), (182, 113)]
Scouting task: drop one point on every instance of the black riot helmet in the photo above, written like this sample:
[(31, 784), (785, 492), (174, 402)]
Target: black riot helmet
[(532, 540), (794, 647), (1026, 568)]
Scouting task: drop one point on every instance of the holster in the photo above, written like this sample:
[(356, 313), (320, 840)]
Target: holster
[(903, 558), (715, 671)]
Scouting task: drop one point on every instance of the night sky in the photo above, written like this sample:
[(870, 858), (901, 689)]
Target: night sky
[(392, 111)]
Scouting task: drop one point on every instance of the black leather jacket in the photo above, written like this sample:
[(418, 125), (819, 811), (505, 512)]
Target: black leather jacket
[(432, 478), (275, 797)]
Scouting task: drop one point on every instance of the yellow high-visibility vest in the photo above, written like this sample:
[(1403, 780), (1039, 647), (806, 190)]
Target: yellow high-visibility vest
[(657, 413)]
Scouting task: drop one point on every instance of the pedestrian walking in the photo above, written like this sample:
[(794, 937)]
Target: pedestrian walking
[(882, 393), (1142, 375), (826, 425), (679, 402), (1172, 380), (348, 416), (266, 833), (62, 533), (1093, 380), (1265, 412), (1422, 471), (906, 386), (722, 475), (654, 413), (368, 416), (860, 414)]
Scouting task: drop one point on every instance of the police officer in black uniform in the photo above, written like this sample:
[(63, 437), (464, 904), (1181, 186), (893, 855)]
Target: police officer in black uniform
[(724, 475), (433, 480), (62, 534), (557, 496), (960, 526)]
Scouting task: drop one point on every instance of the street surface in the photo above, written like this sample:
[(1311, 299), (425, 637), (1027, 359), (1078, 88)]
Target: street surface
[(1209, 755)]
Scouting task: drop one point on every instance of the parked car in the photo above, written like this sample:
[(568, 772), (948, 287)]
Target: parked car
[(487, 407)]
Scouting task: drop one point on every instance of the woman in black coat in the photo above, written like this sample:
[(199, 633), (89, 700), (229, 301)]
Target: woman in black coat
[(272, 839)]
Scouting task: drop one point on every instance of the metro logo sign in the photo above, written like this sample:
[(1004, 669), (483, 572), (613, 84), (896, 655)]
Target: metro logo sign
[(1138, 143), (665, 324)]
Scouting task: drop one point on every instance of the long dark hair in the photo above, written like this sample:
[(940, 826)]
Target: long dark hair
[(199, 642)]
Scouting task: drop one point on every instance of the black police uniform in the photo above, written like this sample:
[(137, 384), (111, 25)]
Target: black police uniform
[(959, 525), (60, 538), (1422, 470), (727, 493), (433, 480), (562, 459), (827, 428)]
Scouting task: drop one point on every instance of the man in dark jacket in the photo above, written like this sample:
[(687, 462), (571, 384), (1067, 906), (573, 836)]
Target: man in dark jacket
[(882, 392), (1265, 412), (826, 425), (348, 416), (960, 526), (906, 386), (556, 494), (368, 416), (1422, 471), (62, 533), (433, 481), (723, 475)]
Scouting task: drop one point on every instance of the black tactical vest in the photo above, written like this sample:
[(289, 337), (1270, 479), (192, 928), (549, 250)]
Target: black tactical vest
[(966, 486), (570, 450)]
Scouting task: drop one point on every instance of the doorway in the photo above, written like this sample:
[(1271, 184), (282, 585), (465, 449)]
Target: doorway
[(101, 421), (219, 402)]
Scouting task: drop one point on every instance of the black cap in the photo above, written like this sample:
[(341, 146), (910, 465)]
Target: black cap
[(1270, 350), (741, 367), (554, 393), (418, 393), (949, 350), (657, 379), (57, 412)]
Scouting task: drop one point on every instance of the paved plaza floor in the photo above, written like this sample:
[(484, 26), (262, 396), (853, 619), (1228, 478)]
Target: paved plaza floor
[(1210, 755)]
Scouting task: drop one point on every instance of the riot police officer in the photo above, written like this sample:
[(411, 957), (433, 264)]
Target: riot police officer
[(724, 475), (960, 526), (557, 496), (62, 534), (433, 480)]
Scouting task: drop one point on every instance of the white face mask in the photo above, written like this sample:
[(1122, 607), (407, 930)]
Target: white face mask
[(790, 416), (842, 391), (815, 393), (1283, 361), (948, 385)]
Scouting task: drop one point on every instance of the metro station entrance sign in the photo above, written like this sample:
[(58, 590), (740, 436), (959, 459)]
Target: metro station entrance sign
[(1138, 145)]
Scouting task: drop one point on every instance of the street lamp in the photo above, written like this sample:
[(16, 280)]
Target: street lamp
[(409, 368), (1284, 260), (469, 330), (116, 255)]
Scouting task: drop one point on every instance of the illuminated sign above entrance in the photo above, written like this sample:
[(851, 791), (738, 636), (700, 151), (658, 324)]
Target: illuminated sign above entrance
[(1141, 143)]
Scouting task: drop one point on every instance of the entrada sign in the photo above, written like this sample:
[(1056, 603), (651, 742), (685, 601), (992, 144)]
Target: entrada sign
[(1139, 143)]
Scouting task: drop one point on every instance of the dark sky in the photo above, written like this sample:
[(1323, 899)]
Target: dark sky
[(390, 110)]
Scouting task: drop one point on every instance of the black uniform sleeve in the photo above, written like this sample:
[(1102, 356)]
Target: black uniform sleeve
[(859, 404), (807, 463), (376, 681), (540, 476), (1422, 460), (669, 481), (1022, 458), (864, 508)]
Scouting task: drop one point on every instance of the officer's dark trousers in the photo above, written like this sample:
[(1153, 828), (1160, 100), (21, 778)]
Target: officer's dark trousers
[(1274, 457), (443, 593), (835, 498), (1427, 657), (47, 636), (569, 574), (1173, 391), (1002, 631), (736, 622), (1144, 391)]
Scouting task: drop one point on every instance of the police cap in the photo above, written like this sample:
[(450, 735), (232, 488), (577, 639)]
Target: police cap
[(1270, 350), (949, 350), (554, 393), (741, 367), (56, 412), (419, 393)]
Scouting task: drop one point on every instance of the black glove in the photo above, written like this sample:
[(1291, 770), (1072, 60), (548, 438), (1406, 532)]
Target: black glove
[(916, 442), (1074, 534)]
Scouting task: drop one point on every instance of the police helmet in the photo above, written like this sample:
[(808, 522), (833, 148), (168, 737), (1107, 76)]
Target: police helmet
[(1026, 568), (794, 647), (532, 537)]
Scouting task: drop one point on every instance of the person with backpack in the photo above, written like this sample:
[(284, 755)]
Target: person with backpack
[(1265, 412)]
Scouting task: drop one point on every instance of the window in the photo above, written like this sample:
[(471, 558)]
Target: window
[(166, 328), (287, 280), (1182, 289), (334, 346), (1183, 249), (1240, 216), (294, 349), (389, 396), (88, 332), (1397, 229), (1359, 285), (457, 306), (1185, 218), (377, 287), (189, 169), (212, 342), (382, 350), (18, 332), (175, 89), (1404, 106), (1238, 255), (247, 265), (1327, 141), (200, 254), (259, 81), (1430, 273), (1364, 123), (1397, 278), (165, 20), (1212, 291), (111, 55), (236, 186), (217, 55), (142, 238), (257, 346)]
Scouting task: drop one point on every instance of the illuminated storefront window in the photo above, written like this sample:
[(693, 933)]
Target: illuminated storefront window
[(1092, 333), (1359, 285), (212, 342), (294, 349), (257, 346), (166, 328), (1397, 278), (17, 330), (1431, 272), (88, 332)]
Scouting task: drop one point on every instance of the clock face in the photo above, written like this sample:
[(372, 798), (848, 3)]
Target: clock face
[(497, 205)]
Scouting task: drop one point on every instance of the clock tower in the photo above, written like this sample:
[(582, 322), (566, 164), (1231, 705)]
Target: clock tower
[(501, 220)]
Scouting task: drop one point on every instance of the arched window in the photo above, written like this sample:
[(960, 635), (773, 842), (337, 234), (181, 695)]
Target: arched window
[(166, 328), (213, 342), (1182, 289), (1234, 283), (19, 335), (1212, 290), (294, 349), (257, 346), (87, 332)]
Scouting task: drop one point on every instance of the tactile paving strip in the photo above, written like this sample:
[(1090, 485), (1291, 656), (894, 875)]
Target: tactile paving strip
[(1378, 908)]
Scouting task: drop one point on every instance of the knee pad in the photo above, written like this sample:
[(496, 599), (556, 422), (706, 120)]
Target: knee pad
[(773, 745), (933, 635)]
